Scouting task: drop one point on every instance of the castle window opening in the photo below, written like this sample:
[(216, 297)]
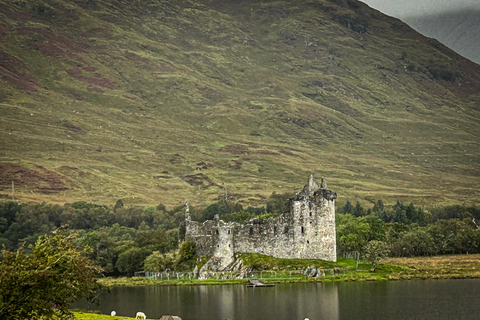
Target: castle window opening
[(275, 230), (303, 230), (308, 241), (228, 231), (286, 229), (216, 231)]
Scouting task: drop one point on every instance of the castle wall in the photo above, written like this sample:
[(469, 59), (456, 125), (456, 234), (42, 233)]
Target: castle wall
[(306, 231)]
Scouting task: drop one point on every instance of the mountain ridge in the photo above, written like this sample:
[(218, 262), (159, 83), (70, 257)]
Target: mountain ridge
[(458, 30), (158, 101)]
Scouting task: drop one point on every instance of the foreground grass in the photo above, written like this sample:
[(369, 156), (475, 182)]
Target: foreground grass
[(95, 316)]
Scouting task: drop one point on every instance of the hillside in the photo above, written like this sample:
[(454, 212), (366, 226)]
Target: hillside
[(157, 101), (458, 30)]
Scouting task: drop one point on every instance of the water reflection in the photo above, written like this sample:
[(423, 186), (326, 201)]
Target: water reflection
[(439, 299)]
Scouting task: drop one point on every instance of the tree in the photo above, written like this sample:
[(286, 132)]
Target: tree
[(347, 208), (277, 201), (53, 272), (131, 260), (157, 261), (414, 242), (375, 251), (358, 211), (187, 255), (352, 233)]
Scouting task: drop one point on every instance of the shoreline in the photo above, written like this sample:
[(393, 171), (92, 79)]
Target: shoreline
[(422, 268), (392, 269)]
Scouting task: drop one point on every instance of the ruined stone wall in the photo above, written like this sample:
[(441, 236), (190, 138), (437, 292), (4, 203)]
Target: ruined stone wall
[(306, 231)]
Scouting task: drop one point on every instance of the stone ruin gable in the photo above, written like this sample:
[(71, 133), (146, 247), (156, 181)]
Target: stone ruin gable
[(312, 214), (313, 220), (305, 231), (213, 238)]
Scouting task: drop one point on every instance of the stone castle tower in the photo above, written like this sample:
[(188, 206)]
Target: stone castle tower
[(306, 230)]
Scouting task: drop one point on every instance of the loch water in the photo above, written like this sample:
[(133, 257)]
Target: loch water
[(394, 300)]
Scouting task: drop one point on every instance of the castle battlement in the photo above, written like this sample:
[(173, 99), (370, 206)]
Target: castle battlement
[(306, 230)]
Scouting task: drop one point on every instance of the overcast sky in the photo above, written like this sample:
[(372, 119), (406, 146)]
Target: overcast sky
[(407, 8)]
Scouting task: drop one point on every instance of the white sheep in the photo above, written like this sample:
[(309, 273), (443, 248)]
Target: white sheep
[(113, 313), (140, 315)]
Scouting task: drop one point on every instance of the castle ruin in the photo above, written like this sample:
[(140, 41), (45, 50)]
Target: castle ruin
[(306, 230)]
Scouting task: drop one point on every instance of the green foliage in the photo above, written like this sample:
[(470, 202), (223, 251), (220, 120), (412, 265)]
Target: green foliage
[(277, 201), (347, 208), (375, 251), (352, 233), (158, 261), (53, 271), (239, 217), (8, 212), (187, 256), (188, 251), (440, 73), (121, 238), (220, 208), (131, 260), (410, 231), (358, 211), (119, 204), (414, 242)]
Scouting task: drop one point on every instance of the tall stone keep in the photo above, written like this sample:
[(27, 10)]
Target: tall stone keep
[(306, 230)]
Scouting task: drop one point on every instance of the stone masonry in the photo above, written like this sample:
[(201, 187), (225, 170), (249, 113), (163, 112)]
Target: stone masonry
[(306, 230)]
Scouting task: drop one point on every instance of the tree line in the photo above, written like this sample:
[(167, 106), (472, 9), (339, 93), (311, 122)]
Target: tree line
[(124, 240), (406, 230)]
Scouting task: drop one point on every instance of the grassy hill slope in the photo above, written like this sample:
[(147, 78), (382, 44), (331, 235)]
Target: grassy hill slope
[(158, 101)]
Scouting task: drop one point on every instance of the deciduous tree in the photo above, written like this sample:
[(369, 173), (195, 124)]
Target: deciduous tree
[(51, 272)]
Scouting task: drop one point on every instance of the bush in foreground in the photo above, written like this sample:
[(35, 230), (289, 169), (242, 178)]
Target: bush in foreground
[(42, 281)]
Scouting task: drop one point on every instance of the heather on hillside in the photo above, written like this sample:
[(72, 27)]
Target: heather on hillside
[(157, 101)]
